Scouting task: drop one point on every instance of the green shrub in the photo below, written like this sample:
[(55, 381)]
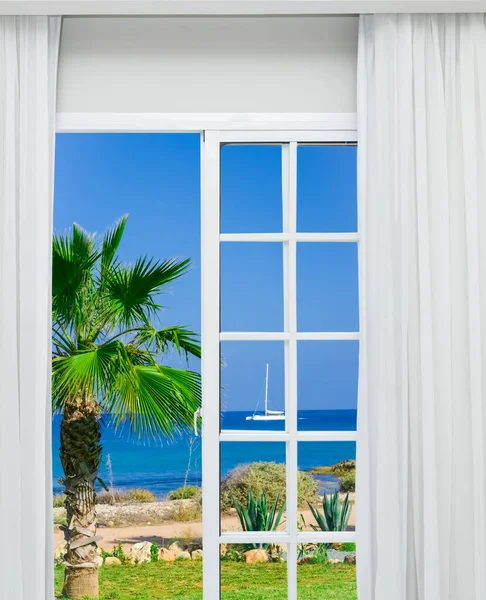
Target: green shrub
[(234, 555), (184, 493), (339, 469), (60, 518), (347, 482), (117, 553), (318, 556), (140, 495), (263, 477), (58, 500), (347, 547), (154, 553)]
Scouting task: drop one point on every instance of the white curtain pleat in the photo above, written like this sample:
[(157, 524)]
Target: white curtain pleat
[(29, 49), (421, 464)]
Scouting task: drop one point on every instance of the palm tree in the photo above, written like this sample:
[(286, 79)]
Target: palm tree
[(106, 361)]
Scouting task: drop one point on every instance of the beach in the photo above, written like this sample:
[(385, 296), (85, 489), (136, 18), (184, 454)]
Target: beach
[(164, 531)]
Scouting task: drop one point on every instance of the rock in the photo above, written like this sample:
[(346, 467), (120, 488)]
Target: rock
[(350, 559), (177, 547), (183, 556), (257, 555), (59, 551), (167, 555), (99, 557), (197, 555), (112, 560), (140, 553), (334, 561)]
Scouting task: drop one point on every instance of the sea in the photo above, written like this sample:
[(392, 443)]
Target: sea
[(165, 465)]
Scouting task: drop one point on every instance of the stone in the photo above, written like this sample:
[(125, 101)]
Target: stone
[(183, 556), (99, 558), (59, 551), (350, 559), (140, 553), (167, 555), (111, 561), (257, 555), (197, 555), (334, 561), (177, 547)]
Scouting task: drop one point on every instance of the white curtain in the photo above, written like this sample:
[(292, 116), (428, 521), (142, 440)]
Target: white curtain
[(421, 498), (28, 67)]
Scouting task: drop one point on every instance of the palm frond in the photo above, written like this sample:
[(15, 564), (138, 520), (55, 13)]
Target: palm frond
[(160, 341), (104, 341), (73, 258), (155, 400), (132, 289), (93, 371), (111, 242)]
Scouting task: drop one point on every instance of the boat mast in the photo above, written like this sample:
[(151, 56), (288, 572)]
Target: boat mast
[(266, 392)]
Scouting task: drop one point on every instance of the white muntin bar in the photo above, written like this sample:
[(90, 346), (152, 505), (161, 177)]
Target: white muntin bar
[(228, 435), (261, 336), (288, 236), (283, 537), (291, 420)]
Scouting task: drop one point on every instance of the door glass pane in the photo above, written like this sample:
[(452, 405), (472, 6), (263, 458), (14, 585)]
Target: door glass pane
[(327, 287), (251, 286), (253, 471), (251, 189), (252, 386), (326, 189), (332, 466), (326, 571), (249, 573), (327, 373)]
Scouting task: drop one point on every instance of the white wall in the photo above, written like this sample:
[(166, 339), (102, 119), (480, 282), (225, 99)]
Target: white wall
[(208, 64)]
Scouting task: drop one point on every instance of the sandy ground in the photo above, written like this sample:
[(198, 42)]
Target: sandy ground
[(160, 534)]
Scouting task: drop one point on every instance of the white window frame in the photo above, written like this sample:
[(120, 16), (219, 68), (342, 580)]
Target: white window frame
[(216, 129), (235, 7)]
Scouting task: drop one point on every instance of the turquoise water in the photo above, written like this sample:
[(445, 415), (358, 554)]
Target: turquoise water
[(161, 467)]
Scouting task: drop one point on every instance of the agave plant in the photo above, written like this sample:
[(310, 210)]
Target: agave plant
[(258, 516), (335, 516)]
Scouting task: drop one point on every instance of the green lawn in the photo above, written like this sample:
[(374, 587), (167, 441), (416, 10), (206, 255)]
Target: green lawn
[(263, 581)]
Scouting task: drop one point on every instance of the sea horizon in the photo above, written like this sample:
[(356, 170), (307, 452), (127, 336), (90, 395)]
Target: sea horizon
[(163, 465)]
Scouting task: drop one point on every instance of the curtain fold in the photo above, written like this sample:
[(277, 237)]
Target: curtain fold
[(29, 49), (421, 456)]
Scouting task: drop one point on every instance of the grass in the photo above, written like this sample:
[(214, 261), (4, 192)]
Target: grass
[(261, 581)]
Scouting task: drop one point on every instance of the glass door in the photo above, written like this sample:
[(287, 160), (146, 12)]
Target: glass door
[(280, 337)]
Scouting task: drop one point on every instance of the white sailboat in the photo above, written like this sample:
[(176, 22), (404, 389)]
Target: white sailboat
[(270, 415)]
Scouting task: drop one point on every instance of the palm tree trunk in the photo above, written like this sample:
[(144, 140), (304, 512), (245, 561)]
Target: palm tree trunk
[(80, 457)]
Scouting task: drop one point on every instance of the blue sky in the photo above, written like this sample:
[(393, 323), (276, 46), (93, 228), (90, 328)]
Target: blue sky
[(155, 179)]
